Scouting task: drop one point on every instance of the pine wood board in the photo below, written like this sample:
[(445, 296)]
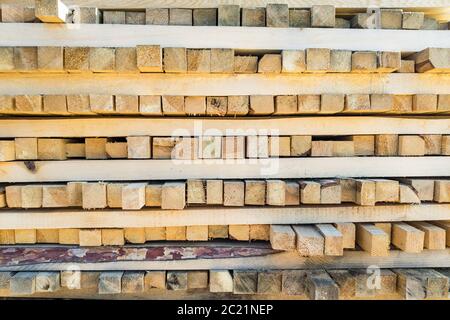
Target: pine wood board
[(282, 168), (71, 218), (242, 38)]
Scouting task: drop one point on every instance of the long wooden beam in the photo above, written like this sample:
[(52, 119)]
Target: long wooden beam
[(138, 260), (243, 38), (71, 218), (282, 168), (223, 84), (122, 127)]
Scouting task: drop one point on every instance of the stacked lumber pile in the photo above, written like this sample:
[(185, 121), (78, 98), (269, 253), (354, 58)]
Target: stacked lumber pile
[(174, 155)]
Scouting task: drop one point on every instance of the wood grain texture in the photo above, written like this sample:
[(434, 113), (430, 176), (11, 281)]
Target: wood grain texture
[(284, 168), (120, 127), (56, 219), (252, 38), (223, 84)]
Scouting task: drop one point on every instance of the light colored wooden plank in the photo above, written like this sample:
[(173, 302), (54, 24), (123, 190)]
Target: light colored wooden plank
[(120, 127), (348, 231), (220, 37), (407, 238), (69, 218), (282, 237), (286, 168), (435, 237), (414, 284), (333, 240), (372, 239), (309, 241), (51, 11), (320, 286), (446, 226), (223, 84)]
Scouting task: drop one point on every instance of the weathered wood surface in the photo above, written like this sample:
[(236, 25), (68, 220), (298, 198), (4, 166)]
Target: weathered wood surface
[(22, 255), (69, 218), (214, 256)]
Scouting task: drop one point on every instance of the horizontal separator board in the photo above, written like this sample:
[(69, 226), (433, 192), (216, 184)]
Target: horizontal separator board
[(141, 4), (193, 126), (240, 38), (72, 218), (281, 260), (223, 84), (282, 168)]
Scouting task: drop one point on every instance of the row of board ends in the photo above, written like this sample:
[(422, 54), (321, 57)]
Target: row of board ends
[(274, 15), (154, 59), (176, 195), (237, 149), (222, 106), (308, 240), (315, 284)]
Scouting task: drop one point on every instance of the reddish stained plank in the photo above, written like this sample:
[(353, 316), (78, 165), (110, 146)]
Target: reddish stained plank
[(19, 255)]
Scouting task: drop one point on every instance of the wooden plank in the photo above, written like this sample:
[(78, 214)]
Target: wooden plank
[(407, 238), (293, 282), (51, 11), (117, 127), (333, 240), (320, 286), (47, 281), (259, 232), (133, 281), (220, 281), (13, 12), (222, 84), (288, 168), (423, 187), (198, 279), (421, 283), (372, 239), (432, 60), (244, 282), (435, 237), (282, 237), (23, 283), (265, 260), (386, 190), (348, 231), (441, 191), (110, 282), (239, 232), (269, 282), (408, 194), (155, 279), (176, 281), (309, 241), (228, 15), (446, 226), (69, 218), (220, 37), (387, 228)]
